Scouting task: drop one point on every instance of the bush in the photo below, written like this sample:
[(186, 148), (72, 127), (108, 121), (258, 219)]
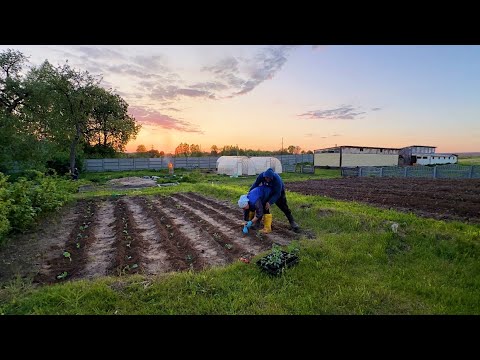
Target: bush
[(22, 213), (4, 208), (22, 201)]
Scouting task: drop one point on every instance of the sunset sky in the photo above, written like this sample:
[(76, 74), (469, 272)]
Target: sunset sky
[(311, 96)]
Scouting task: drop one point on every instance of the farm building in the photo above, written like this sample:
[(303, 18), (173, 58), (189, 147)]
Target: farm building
[(352, 156), (424, 155), (262, 163), (235, 165)]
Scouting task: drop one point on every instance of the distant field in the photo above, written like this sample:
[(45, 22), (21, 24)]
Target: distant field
[(469, 160)]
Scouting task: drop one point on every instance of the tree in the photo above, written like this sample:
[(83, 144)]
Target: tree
[(73, 99), (18, 141), (141, 149), (12, 92), (110, 125), (214, 151), (195, 150), (55, 111)]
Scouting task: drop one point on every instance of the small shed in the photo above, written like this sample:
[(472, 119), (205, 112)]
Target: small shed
[(262, 163), (235, 165)]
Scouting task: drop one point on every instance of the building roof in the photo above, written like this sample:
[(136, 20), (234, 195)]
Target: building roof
[(420, 146), (355, 146)]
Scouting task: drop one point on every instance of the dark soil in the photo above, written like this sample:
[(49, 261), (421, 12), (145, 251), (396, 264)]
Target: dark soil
[(445, 199), (118, 236)]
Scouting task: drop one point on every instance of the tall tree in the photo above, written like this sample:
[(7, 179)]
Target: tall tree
[(214, 151), (12, 91), (110, 126), (74, 94), (141, 149)]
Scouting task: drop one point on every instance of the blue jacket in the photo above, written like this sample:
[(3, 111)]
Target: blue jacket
[(276, 185), (257, 199)]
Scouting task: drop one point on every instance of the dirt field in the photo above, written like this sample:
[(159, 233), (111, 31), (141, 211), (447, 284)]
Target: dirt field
[(126, 235), (445, 199)]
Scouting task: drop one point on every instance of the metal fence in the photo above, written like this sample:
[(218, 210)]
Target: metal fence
[(435, 172), (205, 162)]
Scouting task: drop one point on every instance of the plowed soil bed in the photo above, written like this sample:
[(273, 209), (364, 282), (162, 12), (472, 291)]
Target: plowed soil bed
[(127, 235), (445, 199)]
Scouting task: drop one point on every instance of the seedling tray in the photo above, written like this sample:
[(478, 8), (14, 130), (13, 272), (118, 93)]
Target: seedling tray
[(287, 260)]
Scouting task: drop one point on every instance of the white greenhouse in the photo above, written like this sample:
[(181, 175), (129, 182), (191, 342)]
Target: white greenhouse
[(235, 165), (262, 163)]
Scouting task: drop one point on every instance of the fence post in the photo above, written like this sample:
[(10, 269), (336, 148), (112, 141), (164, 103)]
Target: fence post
[(381, 172), (434, 172), (360, 172), (406, 168), (470, 174)]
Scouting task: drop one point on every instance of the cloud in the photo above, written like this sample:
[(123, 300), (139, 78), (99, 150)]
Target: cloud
[(152, 117), (194, 93), (171, 92), (228, 77), (172, 109), (344, 112), (210, 86), (154, 62), (100, 53), (223, 67), (244, 75), (376, 109)]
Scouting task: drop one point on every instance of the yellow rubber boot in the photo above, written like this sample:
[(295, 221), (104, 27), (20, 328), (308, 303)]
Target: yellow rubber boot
[(251, 215), (267, 223)]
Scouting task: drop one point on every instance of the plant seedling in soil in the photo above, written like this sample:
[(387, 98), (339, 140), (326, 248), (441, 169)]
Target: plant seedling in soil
[(67, 255), (63, 275), (229, 246), (78, 245)]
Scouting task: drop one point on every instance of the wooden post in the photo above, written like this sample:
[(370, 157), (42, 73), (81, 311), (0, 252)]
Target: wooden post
[(434, 172), (340, 157)]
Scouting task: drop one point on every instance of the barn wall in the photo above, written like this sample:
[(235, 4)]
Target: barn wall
[(326, 159), (353, 160)]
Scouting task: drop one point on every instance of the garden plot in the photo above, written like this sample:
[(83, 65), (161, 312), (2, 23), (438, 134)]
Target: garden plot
[(127, 235)]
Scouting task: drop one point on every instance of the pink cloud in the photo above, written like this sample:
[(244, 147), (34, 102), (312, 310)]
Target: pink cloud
[(155, 118)]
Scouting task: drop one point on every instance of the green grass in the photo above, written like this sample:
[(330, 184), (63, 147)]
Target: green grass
[(355, 265), (474, 160)]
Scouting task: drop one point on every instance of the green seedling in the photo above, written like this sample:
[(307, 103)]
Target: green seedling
[(229, 246), (67, 255), (63, 275)]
